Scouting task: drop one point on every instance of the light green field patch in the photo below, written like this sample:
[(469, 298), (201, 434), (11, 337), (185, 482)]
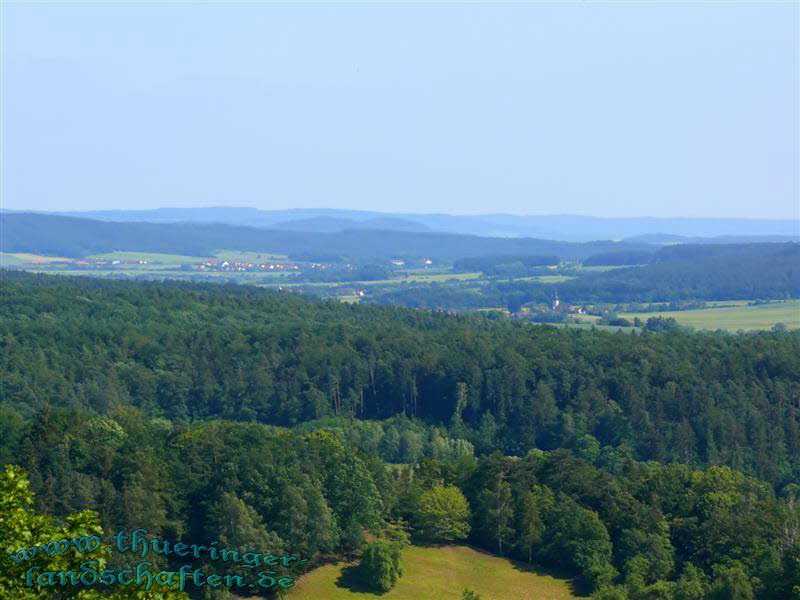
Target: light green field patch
[(435, 277), (590, 319), (395, 281), (734, 317), (441, 573), (603, 268), (552, 278), (150, 257), (545, 278), (15, 259), (245, 256)]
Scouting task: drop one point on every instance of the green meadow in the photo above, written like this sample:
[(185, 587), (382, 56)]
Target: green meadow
[(15, 259), (440, 573), (734, 316), (150, 257), (546, 278), (245, 256)]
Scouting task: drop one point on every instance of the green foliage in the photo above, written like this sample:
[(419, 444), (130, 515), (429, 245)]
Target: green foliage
[(237, 525), (731, 583), (787, 584), (661, 324), (380, 566), (654, 551), (577, 537), (22, 528), (677, 273), (238, 353), (143, 402), (495, 505), (610, 592), (443, 514), (470, 595), (396, 532), (692, 584)]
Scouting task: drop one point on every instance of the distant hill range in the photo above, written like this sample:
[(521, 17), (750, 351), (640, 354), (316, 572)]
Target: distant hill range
[(56, 235), (554, 227), (663, 239)]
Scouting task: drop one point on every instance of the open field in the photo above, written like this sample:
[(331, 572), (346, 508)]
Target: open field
[(151, 257), (446, 276), (734, 316), (244, 256), (440, 573), (21, 258), (602, 268), (552, 278), (546, 278), (437, 277)]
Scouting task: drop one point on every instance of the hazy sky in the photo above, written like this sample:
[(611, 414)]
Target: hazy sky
[(609, 109)]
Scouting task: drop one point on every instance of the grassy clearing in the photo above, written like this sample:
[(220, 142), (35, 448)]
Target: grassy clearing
[(440, 573), (150, 257), (734, 316)]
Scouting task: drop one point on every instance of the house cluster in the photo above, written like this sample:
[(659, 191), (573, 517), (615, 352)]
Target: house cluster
[(574, 309), (324, 266), (213, 264), (99, 263), (556, 307), (400, 262)]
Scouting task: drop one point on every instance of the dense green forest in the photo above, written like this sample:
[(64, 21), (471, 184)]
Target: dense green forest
[(186, 351), (676, 273), (659, 465), (738, 272)]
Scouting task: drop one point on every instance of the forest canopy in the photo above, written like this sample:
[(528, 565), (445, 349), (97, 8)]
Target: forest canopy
[(657, 465)]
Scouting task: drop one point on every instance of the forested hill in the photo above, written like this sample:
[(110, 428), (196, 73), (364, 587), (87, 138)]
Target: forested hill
[(73, 237), (707, 272), (677, 273), (187, 352)]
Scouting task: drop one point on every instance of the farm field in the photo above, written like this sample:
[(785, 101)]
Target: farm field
[(546, 278), (441, 573), (150, 257), (446, 276), (22, 258), (437, 277), (603, 268), (734, 316), (244, 256), (177, 259)]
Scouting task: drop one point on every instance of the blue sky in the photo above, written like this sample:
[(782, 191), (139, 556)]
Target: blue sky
[(607, 109)]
